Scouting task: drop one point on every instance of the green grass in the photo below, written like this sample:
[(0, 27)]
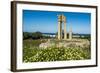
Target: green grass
[(32, 53)]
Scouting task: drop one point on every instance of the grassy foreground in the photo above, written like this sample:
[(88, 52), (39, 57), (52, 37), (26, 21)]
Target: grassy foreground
[(32, 53)]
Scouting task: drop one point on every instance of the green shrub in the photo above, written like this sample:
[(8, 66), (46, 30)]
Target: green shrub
[(34, 54)]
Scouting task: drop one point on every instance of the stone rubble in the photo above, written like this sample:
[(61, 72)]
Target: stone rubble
[(70, 43)]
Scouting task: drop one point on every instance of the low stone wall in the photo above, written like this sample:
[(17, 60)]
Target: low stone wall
[(66, 43)]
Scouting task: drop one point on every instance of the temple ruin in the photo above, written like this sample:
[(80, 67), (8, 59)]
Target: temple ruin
[(61, 21)]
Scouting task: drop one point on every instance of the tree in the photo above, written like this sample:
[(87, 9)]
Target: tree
[(26, 35), (36, 35)]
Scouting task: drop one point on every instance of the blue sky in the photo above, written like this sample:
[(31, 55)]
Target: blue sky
[(46, 21)]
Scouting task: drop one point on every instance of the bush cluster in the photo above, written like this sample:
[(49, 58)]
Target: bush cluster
[(34, 54)]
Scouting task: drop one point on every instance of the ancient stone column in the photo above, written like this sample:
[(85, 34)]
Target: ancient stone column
[(70, 34), (61, 20), (59, 27), (65, 32), (61, 30)]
